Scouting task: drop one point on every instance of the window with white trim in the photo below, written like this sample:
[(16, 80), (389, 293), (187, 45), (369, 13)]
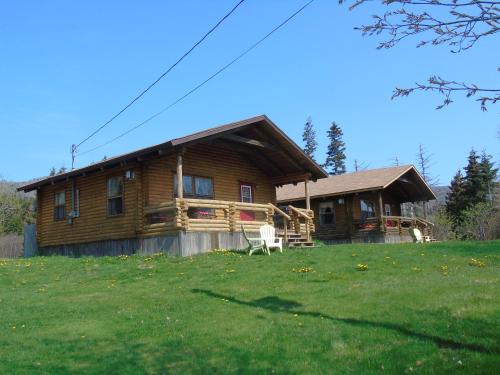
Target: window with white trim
[(246, 193), (387, 209)]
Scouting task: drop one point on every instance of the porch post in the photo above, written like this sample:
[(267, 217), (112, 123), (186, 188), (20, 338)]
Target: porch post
[(306, 190), (381, 208), (180, 191)]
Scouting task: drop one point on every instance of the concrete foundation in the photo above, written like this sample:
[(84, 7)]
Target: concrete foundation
[(178, 244)]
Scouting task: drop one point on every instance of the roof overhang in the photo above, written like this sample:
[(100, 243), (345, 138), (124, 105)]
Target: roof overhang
[(257, 136)]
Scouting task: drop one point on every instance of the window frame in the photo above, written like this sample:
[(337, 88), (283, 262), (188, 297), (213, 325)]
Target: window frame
[(122, 196), (75, 202), (193, 178), (368, 203), (332, 213), (252, 195), (387, 212), (58, 206)]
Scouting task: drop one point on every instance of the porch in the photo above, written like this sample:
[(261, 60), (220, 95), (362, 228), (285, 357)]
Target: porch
[(209, 215), (393, 225)]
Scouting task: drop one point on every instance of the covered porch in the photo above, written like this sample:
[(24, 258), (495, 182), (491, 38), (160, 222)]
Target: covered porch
[(363, 206)]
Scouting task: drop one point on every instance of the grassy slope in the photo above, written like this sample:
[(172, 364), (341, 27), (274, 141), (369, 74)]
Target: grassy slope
[(195, 315)]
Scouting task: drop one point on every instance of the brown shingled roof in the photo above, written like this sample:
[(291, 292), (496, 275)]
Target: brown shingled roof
[(373, 179)]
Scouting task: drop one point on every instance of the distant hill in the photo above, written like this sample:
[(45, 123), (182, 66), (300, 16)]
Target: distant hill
[(10, 188), (441, 193)]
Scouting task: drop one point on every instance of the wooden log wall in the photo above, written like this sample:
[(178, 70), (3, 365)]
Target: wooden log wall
[(153, 184), (93, 224)]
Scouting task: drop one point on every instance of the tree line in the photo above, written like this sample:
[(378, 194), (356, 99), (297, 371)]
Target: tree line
[(16, 209), (472, 205)]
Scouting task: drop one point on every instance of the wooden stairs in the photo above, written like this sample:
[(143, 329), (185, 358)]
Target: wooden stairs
[(295, 241)]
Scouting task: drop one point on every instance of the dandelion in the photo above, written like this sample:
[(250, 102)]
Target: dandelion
[(303, 270), (362, 267), (476, 263), (354, 255), (416, 269), (444, 270), (230, 271)]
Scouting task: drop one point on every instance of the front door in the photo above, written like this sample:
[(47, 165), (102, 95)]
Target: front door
[(246, 196)]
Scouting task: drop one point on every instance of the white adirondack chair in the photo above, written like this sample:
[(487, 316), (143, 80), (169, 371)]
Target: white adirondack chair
[(268, 234), (417, 236), (255, 244)]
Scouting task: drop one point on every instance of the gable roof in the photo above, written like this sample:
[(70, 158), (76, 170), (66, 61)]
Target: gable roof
[(278, 142), (355, 182)]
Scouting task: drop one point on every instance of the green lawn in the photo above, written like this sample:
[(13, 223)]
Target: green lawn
[(416, 309)]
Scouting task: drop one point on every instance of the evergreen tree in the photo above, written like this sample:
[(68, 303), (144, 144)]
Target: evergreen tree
[(475, 186), (52, 172), (309, 138), (488, 174), (456, 202), (335, 156)]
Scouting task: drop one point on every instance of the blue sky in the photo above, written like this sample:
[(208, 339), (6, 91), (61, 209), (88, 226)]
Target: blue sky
[(66, 67)]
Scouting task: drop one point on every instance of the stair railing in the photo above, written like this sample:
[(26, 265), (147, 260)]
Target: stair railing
[(286, 219), (307, 215)]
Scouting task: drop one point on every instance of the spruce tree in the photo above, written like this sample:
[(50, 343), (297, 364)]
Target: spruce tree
[(475, 187), (335, 156), (456, 202), (488, 174), (309, 138)]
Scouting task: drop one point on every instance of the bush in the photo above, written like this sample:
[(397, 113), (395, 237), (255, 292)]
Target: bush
[(481, 222)]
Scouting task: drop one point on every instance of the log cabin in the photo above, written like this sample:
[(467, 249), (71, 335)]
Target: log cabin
[(362, 206), (184, 196)]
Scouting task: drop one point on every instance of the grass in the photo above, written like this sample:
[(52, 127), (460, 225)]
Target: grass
[(415, 309)]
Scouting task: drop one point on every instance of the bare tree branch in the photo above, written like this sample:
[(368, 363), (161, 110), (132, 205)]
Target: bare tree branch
[(446, 88), (461, 27), (459, 24)]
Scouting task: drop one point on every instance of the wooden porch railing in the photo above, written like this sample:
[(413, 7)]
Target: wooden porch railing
[(401, 224), (216, 215), (302, 221)]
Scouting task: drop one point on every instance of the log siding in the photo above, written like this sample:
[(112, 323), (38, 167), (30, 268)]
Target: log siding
[(153, 183)]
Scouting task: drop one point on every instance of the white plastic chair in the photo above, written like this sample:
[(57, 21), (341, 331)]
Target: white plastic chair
[(268, 234), (417, 236)]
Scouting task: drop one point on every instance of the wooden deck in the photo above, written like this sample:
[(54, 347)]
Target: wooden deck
[(207, 215)]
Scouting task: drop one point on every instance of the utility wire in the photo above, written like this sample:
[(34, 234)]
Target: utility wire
[(161, 76), (253, 46)]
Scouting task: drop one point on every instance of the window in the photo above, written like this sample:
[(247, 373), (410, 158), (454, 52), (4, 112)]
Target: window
[(246, 193), (75, 202), (59, 205), (387, 209), (326, 213), (367, 209), (195, 187), (115, 196)]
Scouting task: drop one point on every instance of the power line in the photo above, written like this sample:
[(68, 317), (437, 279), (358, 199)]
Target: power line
[(253, 46), (161, 76)]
